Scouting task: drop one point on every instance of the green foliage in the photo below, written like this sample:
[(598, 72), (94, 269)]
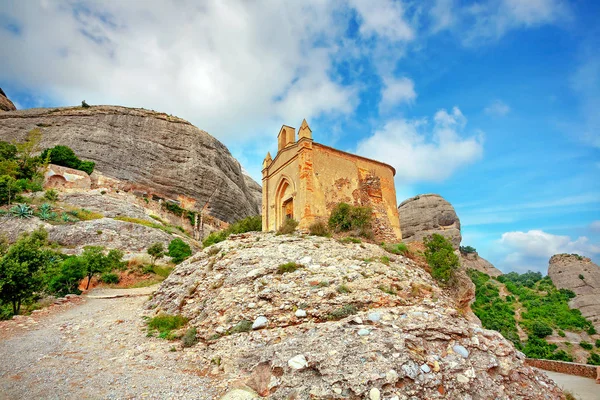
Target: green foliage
[(30, 185), (598, 343), (343, 289), (156, 251), (8, 189), (581, 277), (540, 329), (95, 261), (45, 212), (248, 224), (22, 211), (65, 280), (22, 268), (342, 312), (319, 228), (242, 326), (288, 227), (288, 267), (344, 218), (397, 248), (65, 156), (441, 258), (385, 260), (387, 289), (179, 250), (8, 151), (594, 359), (109, 277), (165, 323), (350, 240), (467, 249), (9, 168), (189, 338), (586, 345), (149, 224)]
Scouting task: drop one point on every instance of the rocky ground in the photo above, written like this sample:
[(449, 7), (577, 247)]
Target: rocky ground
[(94, 348), (352, 321)]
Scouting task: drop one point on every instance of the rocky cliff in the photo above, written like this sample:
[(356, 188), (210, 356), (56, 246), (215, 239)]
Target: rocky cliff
[(425, 214), (5, 103), (582, 276), (474, 261), (310, 317), (153, 152)]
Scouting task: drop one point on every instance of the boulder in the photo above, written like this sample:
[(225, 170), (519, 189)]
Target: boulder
[(426, 214), (149, 151), (391, 331), (475, 261), (582, 276), (5, 103), (58, 177)]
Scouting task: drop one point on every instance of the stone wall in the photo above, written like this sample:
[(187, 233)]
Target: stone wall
[(587, 371)]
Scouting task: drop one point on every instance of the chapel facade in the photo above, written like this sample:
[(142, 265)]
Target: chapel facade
[(306, 179)]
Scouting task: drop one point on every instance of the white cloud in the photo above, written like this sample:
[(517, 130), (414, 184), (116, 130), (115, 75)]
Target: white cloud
[(585, 82), (423, 151), (396, 91), (533, 249), (384, 18), (442, 15), (595, 226), (497, 108)]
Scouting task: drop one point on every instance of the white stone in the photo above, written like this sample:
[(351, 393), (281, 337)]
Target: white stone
[(374, 394), (251, 305), (305, 260), (461, 378), (260, 322), (458, 349), (240, 394), (425, 368), (364, 332), (337, 390), (374, 316), (300, 313), (391, 376), (358, 320), (298, 362)]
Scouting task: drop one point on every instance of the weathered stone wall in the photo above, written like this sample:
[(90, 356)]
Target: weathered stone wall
[(66, 178), (585, 370), (320, 177)]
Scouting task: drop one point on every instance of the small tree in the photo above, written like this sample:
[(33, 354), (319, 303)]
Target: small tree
[(66, 279), (179, 250), (8, 189), (441, 258), (96, 262), (156, 251)]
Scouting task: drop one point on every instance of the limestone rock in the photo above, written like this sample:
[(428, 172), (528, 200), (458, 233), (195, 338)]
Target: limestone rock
[(149, 151), (426, 214), (566, 271), (475, 261), (60, 177), (413, 336), (5, 103)]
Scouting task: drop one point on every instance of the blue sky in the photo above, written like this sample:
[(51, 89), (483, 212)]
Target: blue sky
[(492, 104)]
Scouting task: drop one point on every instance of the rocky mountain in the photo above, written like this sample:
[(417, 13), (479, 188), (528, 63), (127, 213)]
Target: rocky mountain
[(310, 317), (152, 152), (582, 276), (5, 103), (425, 214), (474, 261)]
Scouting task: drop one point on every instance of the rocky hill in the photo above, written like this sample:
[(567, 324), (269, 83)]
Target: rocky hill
[(474, 261), (152, 152), (582, 276), (304, 316), (5, 103)]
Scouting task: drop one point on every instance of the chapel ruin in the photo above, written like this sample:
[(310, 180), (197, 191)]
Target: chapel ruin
[(306, 180)]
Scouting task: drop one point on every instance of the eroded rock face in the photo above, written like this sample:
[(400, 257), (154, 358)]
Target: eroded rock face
[(425, 214), (154, 152), (566, 271), (5, 103), (372, 325), (475, 261)]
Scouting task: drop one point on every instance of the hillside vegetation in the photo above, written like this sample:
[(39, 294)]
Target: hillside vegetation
[(531, 312)]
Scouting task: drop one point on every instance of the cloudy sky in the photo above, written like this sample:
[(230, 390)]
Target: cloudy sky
[(493, 103)]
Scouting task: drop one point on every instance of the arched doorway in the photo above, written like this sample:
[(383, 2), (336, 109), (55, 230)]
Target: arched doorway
[(284, 202)]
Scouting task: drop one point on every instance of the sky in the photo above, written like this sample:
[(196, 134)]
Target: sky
[(492, 104)]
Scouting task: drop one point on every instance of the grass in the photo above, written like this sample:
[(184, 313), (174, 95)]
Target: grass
[(342, 312), (165, 323), (242, 326), (350, 240), (84, 215), (387, 290), (323, 284), (189, 338), (343, 289), (385, 260), (149, 224), (288, 267), (162, 271), (397, 248)]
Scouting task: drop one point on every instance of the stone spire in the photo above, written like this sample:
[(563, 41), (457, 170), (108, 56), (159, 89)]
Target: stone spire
[(267, 161), (305, 131)]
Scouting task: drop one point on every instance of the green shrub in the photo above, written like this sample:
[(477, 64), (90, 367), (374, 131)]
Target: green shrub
[(441, 258), (8, 189), (65, 156), (51, 195), (156, 251), (288, 267), (385, 260), (342, 312), (248, 224), (586, 345), (598, 343), (350, 240), (561, 333), (319, 228), (467, 249), (594, 359), (288, 227), (343, 289), (8, 151), (165, 323), (540, 329), (87, 166), (397, 248), (345, 217), (581, 277), (179, 250), (242, 326), (189, 338), (65, 280), (22, 211), (109, 277)]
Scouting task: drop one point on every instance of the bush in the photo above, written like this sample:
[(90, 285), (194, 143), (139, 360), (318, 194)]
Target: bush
[(598, 343), (594, 359), (242, 326), (179, 250), (398, 248), (109, 277), (581, 277), (189, 338), (586, 345), (319, 228), (156, 251), (67, 278), (343, 289), (22, 211), (51, 195), (540, 329), (8, 189), (342, 312), (87, 166), (65, 156), (248, 224), (467, 249), (165, 323), (345, 217), (288, 267), (441, 258), (288, 227)]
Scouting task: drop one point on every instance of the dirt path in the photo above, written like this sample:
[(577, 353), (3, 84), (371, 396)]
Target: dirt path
[(96, 350), (581, 388)]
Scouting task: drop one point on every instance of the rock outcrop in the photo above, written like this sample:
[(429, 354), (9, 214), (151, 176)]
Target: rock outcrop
[(425, 214), (310, 317), (5, 103), (153, 152), (582, 276), (475, 261)]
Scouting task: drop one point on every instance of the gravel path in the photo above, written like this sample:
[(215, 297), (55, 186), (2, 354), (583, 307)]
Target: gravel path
[(96, 350)]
